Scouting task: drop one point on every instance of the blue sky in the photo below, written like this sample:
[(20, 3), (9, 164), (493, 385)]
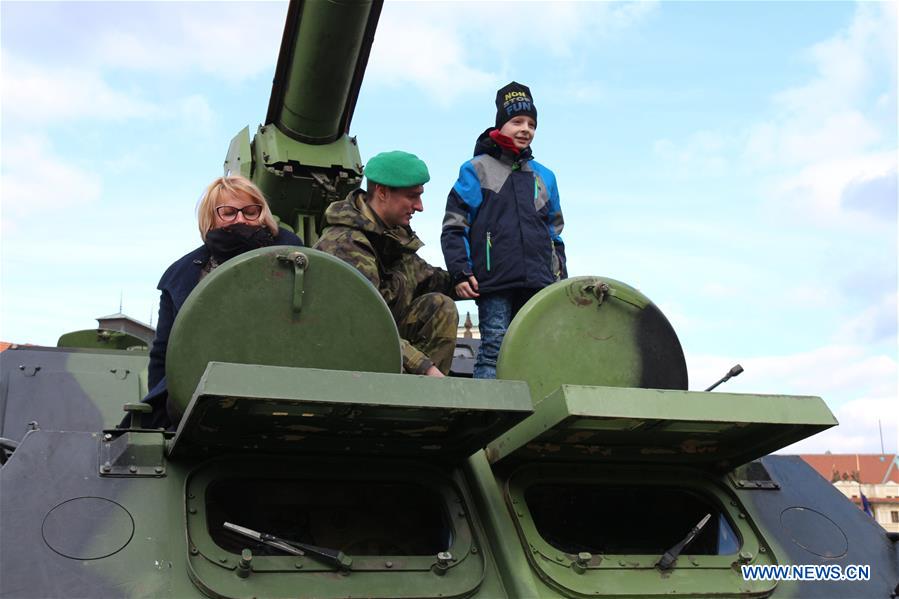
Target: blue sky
[(736, 161)]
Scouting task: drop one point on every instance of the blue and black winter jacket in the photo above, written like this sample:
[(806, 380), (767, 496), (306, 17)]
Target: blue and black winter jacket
[(503, 221)]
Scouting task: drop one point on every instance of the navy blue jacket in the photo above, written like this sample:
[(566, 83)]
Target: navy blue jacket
[(503, 221), (176, 283)]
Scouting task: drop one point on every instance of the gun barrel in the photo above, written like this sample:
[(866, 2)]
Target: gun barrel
[(324, 52)]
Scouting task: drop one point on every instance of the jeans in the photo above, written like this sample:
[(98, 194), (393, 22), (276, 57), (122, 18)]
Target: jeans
[(495, 314)]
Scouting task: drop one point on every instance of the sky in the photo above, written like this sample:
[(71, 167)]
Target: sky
[(735, 161)]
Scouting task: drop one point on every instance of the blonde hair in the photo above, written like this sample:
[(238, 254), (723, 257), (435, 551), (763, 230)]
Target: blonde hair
[(231, 185)]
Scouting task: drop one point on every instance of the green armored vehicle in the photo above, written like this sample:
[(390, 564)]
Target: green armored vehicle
[(306, 465)]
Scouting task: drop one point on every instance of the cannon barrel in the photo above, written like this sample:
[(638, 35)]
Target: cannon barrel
[(303, 157), (323, 55)]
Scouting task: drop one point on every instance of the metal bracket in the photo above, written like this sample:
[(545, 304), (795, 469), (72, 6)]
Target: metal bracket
[(753, 476), (132, 454), (120, 373), (300, 262), (602, 291), (29, 370)]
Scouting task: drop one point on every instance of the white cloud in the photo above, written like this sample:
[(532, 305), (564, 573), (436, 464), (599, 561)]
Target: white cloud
[(35, 179), (232, 41), (703, 154), (875, 324), (835, 372), (818, 190), (861, 423), (824, 137), (41, 95), (426, 44), (410, 48), (556, 27), (827, 118), (837, 129), (197, 113), (812, 296), (859, 389)]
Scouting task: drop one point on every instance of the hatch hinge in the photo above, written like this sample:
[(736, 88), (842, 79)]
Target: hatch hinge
[(133, 451), (753, 476)]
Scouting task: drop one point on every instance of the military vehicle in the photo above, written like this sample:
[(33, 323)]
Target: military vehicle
[(306, 465)]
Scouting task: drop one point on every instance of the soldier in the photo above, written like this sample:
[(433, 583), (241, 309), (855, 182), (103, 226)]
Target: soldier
[(370, 230)]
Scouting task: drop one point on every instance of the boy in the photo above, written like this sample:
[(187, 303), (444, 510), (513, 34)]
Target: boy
[(501, 232)]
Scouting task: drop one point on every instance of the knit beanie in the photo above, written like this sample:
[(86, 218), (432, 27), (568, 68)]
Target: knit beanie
[(512, 100)]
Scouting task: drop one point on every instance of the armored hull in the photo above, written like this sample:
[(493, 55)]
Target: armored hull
[(589, 470)]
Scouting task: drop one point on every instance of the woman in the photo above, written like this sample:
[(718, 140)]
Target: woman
[(233, 218)]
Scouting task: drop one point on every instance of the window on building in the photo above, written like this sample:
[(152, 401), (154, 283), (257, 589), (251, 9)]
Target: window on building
[(894, 516)]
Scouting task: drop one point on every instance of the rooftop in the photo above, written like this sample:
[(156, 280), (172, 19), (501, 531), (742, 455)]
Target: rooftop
[(864, 468)]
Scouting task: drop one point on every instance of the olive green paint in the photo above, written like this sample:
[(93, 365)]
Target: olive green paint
[(718, 431), (218, 320)]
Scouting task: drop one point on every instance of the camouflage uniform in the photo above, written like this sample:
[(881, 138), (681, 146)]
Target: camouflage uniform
[(416, 292)]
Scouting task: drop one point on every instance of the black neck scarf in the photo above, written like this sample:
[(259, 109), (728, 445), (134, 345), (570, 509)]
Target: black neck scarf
[(233, 240)]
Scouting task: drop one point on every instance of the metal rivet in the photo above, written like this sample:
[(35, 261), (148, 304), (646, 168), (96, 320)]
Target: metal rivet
[(223, 560), (106, 468), (388, 564), (194, 551), (243, 566), (298, 565), (132, 469), (474, 550), (579, 565), (159, 469), (107, 437), (443, 563), (192, 510)]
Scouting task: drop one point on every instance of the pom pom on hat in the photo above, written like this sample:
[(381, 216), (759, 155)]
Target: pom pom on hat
[(397, 169)]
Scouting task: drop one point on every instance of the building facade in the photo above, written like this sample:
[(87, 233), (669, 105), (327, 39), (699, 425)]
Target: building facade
[(872, 476)]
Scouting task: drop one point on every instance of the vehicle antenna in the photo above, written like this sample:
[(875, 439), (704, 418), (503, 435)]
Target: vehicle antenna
[(735, 371)]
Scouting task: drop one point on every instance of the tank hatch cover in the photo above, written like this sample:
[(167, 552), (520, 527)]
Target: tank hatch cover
[(102, 339), (280, 306), (714, 431), (591, 331), (241, 408)]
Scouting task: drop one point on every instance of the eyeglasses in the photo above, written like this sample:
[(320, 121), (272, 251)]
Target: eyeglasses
[(229, 213)]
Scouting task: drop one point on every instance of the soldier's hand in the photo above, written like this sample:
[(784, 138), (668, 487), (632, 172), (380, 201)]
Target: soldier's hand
[(468, 289), (434, 371)]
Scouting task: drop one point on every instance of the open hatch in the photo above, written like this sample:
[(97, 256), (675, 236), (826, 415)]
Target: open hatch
[(359, 465), (247, 408), (603, 481)]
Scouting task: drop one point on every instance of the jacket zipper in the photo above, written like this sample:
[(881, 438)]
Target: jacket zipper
[(489, 244)]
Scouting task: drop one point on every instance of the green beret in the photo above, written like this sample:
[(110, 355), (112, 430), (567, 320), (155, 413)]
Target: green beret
[(397, 169)]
